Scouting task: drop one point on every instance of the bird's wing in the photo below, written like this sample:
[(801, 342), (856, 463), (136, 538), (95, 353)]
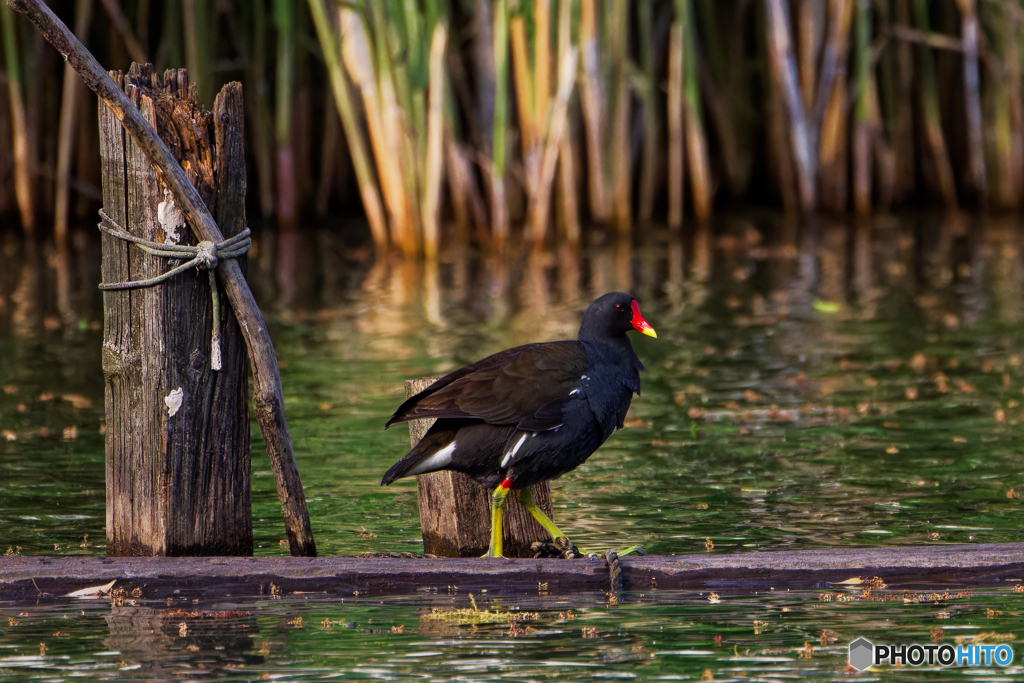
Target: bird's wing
[(506, 388)]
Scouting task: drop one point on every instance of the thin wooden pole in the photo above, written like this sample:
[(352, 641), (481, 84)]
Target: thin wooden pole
[(267, 395)]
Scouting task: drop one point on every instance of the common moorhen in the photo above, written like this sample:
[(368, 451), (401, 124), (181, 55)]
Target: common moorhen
[(530, 413)]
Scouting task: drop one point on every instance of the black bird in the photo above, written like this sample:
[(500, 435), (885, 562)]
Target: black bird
[(530, 413)]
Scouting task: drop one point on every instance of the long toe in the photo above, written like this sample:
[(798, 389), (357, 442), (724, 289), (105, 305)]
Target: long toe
[(561, 547)]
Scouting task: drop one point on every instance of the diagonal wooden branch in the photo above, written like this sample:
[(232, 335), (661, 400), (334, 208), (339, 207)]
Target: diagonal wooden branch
[(267, 395)]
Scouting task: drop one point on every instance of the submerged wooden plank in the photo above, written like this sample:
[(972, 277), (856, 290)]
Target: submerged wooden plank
[(23, 578)]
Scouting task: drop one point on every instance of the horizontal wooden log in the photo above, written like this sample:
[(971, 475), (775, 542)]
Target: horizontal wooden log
[(25, 578)]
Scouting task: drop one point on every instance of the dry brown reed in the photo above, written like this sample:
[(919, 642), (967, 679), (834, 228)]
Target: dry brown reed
[(500, 117)]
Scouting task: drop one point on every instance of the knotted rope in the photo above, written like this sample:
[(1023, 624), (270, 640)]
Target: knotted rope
[(205, 256)]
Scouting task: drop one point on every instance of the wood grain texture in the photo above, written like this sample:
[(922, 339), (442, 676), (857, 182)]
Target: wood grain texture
[(177, 484), (268, 404), (455, 512)]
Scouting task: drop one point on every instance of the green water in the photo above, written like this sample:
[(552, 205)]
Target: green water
[(663, 636), (832, 386)]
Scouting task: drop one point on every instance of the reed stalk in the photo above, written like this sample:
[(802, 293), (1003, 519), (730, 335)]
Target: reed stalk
[(142, 24), (592, 108), (1004, 105), (19, 123), (832, 147), (400, 62), (622, 105), (865, 117), (647, 91), (257, 95), (781, 166), (810, 19), (198, 18), (284, 19), (499, 207), (71, 96), (365, 177), (902, 129), (467, 202), (434, 166), (124, 29), (569, 208), (932, 113), (830, 100), (330, 157), (400, 167), (676, 139), (725, 87), (780, 53), (358, 59), (529, 134), (542, 123), (541, 59), (696, 143), (972, 99), (540, 204)]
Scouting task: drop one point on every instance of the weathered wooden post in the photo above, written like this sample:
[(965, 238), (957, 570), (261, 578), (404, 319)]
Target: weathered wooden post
[(455, 513), (177, 434)]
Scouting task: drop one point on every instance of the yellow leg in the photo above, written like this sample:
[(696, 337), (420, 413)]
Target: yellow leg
[(497, 503), (526, 498)]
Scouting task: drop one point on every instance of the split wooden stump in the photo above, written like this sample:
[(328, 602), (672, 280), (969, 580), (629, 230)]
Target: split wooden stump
[(177, 436), (455, 512), (267, 395)]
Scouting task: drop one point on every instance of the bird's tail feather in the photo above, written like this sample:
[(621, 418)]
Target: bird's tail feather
[(432, 453)]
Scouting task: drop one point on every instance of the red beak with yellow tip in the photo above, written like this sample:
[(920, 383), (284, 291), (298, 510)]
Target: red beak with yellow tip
[(640, 324)]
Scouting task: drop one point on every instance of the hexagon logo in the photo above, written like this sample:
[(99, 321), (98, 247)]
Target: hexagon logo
[(862, 654)]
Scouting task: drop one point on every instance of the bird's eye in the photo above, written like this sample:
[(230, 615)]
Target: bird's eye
[(619, 307)]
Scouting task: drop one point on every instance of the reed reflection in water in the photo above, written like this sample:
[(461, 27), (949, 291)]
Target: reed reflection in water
[(764, 261)]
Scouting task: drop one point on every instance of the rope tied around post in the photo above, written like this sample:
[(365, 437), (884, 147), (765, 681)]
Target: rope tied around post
[(205, 256)]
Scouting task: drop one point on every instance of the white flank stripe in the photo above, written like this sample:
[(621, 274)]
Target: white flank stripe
[(515, 449), (574, 392), (435, 461)]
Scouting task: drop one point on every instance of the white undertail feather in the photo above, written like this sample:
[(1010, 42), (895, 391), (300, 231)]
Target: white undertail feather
[(515, 449), (435, 461)]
